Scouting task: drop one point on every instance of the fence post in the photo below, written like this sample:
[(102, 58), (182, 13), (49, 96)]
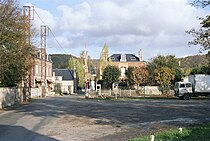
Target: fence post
[(130, 92), (152, 138), (120, 93)]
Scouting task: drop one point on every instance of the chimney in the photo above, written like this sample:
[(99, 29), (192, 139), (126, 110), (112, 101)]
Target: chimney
[(140, 55)]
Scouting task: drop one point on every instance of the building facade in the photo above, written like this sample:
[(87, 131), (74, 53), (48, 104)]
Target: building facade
[(66, 80), (41, 73), (123, 61)]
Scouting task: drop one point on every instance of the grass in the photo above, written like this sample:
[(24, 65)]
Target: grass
[(196, 133)]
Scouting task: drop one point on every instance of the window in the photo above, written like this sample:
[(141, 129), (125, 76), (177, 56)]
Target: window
[(47, 71), (123, 70), (112, 58), (182, 85), (37, 69), (188, 85), (133, 58)]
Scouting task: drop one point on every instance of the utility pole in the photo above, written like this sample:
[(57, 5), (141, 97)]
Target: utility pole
[(28, 13), (43, 34)]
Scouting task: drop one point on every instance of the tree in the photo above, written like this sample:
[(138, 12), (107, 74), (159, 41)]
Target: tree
[(15, 52), (164, 76), (201, 36), (104, 58), (163, 61), (78, 65), (129, 73), (110, 75), (139, 76)]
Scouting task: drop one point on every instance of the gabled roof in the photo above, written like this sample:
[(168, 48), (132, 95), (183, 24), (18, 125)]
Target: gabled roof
[(129, 58), (66, 74)]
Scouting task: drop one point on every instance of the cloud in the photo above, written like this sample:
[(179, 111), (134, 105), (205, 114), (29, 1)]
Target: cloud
[(156, 26)]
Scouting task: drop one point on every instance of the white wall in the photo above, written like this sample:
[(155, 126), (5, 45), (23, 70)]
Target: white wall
[(65, 87), (8, 97)]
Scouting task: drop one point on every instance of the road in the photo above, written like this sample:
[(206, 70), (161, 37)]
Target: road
[(73, 118)]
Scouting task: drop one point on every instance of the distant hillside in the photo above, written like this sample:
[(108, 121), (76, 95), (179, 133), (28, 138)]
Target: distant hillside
[(192, 61), (60, 61)]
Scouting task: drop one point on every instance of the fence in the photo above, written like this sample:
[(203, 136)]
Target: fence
[(143, 91)]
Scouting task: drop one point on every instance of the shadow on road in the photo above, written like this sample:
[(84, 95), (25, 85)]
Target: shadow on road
[(124, 112), (15, 133)]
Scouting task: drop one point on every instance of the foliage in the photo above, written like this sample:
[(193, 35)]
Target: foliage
[(196, 133), (15, 52), (110, 75), (60, 61), (139, 76), (200, 70), (104, 58), (201, 36), (160, 62), (57, 88), (128, 74), (164, 76), (78, 65), (193, 61)]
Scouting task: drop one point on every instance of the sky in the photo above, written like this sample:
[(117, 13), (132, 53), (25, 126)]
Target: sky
[(126, 26)]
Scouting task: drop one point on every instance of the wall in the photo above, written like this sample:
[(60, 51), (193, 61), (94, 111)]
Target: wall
[(36, 92), (67, 87), (8, 97)]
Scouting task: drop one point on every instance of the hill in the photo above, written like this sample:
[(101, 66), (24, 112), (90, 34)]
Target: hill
[(193, 61), (60, 61)]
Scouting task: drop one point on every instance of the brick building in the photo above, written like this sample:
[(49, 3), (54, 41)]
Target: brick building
[(123, 61), (41, 74)]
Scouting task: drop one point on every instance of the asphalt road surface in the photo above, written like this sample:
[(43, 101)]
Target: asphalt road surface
[(73, 118)]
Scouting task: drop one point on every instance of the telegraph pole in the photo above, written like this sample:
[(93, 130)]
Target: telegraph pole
[(28, 13), (43, 34)]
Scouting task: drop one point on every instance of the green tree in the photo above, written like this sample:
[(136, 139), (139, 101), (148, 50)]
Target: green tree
[(201, 36), (78, 65), (104, 59), (129, 73), (164, 76), (15, 52), (163, 61), (110, 75)]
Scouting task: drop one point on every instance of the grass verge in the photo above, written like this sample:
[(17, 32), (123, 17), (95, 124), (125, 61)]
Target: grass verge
[(196, 133)]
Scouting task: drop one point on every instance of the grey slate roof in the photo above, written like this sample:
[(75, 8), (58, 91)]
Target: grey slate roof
[(67, 74), (129, 58)]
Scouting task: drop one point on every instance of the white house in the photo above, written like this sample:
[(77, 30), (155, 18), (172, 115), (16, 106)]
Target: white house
[(67, 80)]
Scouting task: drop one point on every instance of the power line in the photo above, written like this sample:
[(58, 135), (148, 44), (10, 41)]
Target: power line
[(50, 32)]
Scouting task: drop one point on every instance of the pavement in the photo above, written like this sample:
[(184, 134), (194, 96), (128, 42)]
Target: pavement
[(73, 118)]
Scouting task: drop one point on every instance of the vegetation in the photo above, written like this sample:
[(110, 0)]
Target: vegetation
[(60, 61), (137, 75), (110, 75), (104, 58), (128, 74), (197, 133), (164, 77), (160, 63), (15, 50), (201, 36), (77, 64)]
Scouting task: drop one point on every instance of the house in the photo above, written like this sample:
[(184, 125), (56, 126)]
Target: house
[(66, 79), (41, 74), (123, 61)]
